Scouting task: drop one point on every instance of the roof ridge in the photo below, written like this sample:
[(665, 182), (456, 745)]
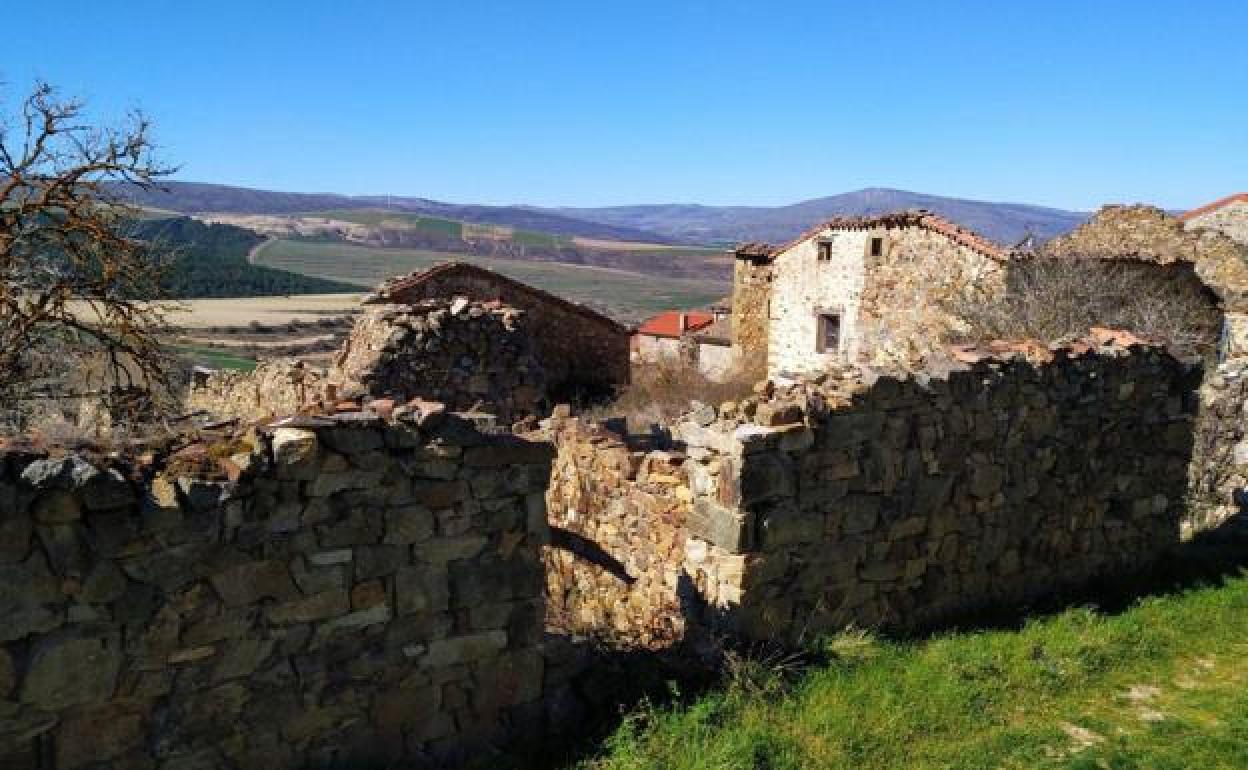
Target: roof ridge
[(397, 284), (914, 217), (1241, 197)]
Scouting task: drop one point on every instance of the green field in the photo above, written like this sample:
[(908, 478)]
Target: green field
[(1162, 685), (214, 358), (624, 295), (448, 228)]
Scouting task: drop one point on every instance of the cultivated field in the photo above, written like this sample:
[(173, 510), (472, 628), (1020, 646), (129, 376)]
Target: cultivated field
[(266, 311), (624, 295)]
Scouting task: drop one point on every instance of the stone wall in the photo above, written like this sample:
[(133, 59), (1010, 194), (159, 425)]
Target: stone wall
[(751, 298), (617, 510), (360, 592), (895, 503), (910, 294), (458, 352), (1150, 234), (578, 347), (1231, 220), (902, 503), (272, 388)]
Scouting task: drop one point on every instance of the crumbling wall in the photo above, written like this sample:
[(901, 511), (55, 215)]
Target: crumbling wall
[(751, 298), (361, 592), (617, 511), (903, 502), (578, 348), (458, 352), (272, 388)]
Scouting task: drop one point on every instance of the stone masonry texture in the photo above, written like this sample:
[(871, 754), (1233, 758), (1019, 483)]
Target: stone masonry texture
[(362, 592), (580, 349), (458, 352)]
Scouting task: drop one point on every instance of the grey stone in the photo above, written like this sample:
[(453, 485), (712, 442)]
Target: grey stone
[(310, 609), (249, 583), (421, 589), (68, 671), (465, 649), (408, 524), (105, 583), (241, 658)]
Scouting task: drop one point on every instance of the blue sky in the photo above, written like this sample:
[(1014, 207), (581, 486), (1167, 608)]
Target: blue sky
[(1069, 104)]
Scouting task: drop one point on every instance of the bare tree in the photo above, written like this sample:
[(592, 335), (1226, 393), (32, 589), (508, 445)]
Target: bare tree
[(71, 279)]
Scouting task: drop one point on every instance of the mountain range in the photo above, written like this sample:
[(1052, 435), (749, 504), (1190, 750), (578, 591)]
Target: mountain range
[(652, 223)]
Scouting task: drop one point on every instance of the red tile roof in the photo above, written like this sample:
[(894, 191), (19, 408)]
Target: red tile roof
[(1236, 198), (667, 324), (911, 218)]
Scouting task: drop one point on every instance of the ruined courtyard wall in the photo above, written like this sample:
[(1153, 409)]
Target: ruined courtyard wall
[(911, 293), (362, 592), (906, 502), (617, 515), (576, 349), (458, 353), (272, 388), (1231, 220)]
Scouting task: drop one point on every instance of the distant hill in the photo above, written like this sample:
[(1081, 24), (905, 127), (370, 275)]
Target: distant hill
[(654, 223), (201, 198), (211, 261), (1003, 222)]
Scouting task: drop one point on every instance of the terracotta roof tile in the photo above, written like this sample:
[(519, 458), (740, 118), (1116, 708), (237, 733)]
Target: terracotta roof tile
[(667, 324), (1236, 198), (909, 218)]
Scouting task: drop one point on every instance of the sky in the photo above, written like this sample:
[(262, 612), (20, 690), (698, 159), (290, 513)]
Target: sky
[(1067, 104)]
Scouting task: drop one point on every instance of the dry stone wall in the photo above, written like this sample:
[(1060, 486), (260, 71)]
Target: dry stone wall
[(272, 388), (362, 591), (899, 503), (617, 510), (905, 502), (1230, 220), (457, 352)]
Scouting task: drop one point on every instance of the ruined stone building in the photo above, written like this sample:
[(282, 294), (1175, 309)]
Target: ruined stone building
[(1228, 216), (1194, 258), (580, 350), (858, 290)]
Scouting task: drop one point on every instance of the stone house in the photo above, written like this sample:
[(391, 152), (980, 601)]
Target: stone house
[(873, 290), (1228, 216), (659, 336), (580, 350), (702, 339)]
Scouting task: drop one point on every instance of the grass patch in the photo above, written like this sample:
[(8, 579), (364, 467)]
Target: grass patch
[(1160, 685), (624, 295), (213, 358)]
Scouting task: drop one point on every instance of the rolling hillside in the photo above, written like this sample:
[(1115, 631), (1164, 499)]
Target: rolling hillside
[(1003, 222), (198, 198), (626, 296), (647, 223), (211, 261)]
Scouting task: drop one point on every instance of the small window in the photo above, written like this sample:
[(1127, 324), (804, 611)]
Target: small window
[(825, 250), (829, 333), (877, 246)]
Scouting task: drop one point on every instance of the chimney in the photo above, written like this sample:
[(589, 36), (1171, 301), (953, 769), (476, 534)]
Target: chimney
[(684, 322)]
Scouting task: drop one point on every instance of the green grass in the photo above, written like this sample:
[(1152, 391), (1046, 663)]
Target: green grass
[(448, 228), (214, 358), (540, 240), (627, 296), (1162, 685)]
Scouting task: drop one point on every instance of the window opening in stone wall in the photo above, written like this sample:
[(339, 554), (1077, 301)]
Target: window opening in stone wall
[(877, 247), (825, 250), (829, 332)]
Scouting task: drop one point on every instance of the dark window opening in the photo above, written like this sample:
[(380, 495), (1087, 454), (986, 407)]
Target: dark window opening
[(829, 332), (877, 247), (825, 251)]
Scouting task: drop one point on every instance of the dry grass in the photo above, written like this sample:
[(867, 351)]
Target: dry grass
[(1055, 300), (663, 390)]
